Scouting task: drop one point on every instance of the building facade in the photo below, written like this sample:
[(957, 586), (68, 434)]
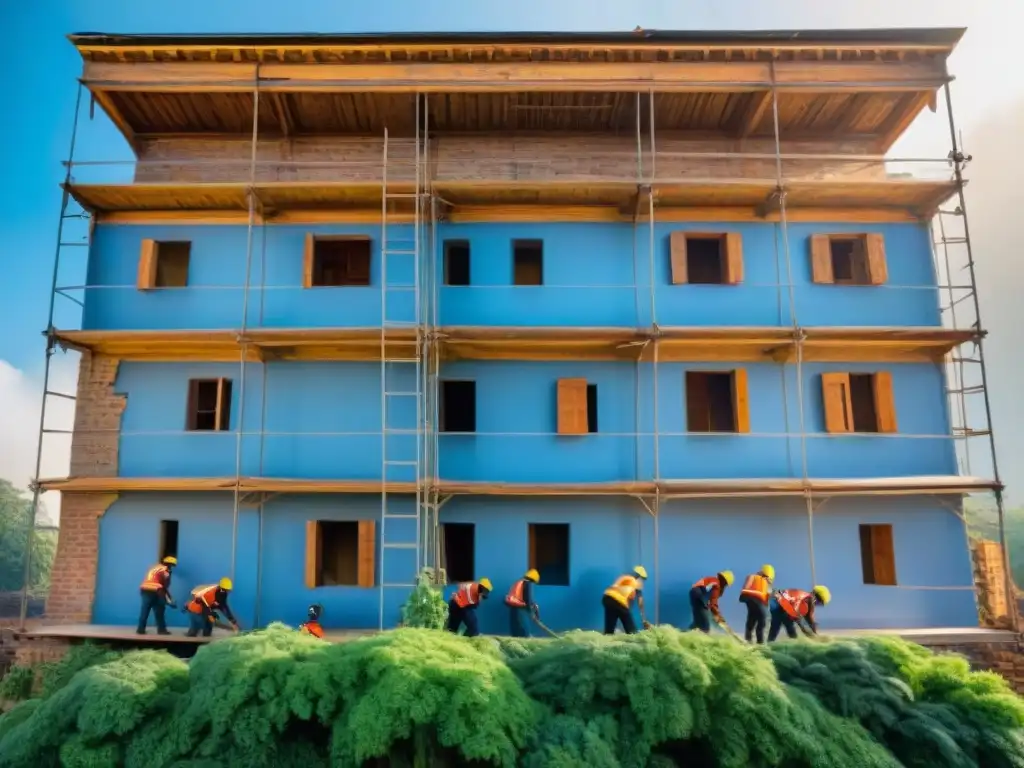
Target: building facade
[(485, 303)]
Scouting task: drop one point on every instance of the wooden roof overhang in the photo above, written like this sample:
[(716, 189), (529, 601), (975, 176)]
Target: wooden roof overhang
[(668, 489), (869, 84), (674, 344)]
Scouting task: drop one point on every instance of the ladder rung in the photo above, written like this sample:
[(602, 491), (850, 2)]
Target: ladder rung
[(399, 252), (401, 517), (401, 394), (404, 323), (401, 359), (65, 395), (73, 245), (405, 195), (391, 463), (967, 390), (967, 432), (964, 360), (400, 545), (403, 431)]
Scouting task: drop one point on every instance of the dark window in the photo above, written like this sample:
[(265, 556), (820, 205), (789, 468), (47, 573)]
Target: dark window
[(339, 556), (709, 402), (341, 261), (528, 262), (849, 260), (209, 405), (458, 406), (459, 551), (168, 539), (549, 552), (877, 555), (862, 397), (456, 262), (592, 407), (172, 264), (704, 260)]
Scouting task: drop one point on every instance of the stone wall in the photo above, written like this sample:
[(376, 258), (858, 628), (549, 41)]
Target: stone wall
[(518, 157)]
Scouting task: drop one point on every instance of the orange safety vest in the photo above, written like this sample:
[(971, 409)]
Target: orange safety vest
[(203, 596), (624, 590), (795, 603), (713, 587), (152, 582), (312, 628), (756, 586), (514, 598), (467, 595)]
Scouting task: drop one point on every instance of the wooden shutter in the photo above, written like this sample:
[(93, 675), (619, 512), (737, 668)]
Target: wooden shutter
[(835, 391), (147, 265), (313, 550), (677, 250), (219, 415), (366, 553), (741, 400), (733, 258), (885, 404), (883, 555), (821, 259), (192, 406), (878, 273), (307, 261), (572, 407)]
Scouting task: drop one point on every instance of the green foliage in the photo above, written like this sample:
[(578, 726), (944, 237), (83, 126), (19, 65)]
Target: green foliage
[(17, 684), (983, 523), (419, 698), (426, 607), (57, 674), (15, 523)]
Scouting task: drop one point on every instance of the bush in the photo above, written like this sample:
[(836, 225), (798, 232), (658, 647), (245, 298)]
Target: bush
[(416, 697)]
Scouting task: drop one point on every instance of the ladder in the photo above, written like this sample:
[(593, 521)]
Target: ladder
[(401, 372)]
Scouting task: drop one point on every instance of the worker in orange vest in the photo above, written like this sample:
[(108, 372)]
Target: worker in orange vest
[(704, 596), (312, 625), (756, 594), (617, 602), (520, 600), (156, 595), (205, 605), (463, 604), (792, 608)]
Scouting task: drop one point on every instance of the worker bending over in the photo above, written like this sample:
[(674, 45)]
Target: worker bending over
[(704, 596), (520, 602), (618, 600), (756, 594), (156, 595), (312, 624), (463, 604), (205, 605), (792, 608)]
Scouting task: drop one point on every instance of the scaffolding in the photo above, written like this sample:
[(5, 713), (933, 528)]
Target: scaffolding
[(410, 249)]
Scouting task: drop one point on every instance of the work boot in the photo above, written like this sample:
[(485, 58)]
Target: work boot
[(140, 631), (163, 632)]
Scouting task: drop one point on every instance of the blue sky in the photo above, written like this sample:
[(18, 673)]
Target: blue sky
[(41, 87)]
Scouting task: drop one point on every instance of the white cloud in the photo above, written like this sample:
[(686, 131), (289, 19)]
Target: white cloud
[(20, 401)]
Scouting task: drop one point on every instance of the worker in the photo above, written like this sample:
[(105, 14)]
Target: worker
[(520, 601), (792, 608), (756, 594), (704, 596), (156, 595), (618, 599), (462, 607), (312, 624), (205, 605)]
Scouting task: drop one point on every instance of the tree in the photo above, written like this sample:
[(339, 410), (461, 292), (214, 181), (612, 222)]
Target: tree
[(15, 521)]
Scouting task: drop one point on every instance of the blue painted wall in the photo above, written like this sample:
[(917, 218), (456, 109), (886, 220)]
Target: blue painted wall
[(322, 420), (607, 537), (589, 279)]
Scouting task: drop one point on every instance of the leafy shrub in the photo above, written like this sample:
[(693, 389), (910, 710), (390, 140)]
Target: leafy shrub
[(419, 698), (426, 607), (17, 684)]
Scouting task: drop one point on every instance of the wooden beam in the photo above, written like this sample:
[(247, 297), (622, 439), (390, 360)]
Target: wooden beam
[(751, 117), (118, 119), (284, 114), (902, 116)]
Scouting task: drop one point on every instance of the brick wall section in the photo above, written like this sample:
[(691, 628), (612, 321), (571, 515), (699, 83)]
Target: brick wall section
[(98, 413), (73, 581), (489, 157), (1005, 659), (990, 579)]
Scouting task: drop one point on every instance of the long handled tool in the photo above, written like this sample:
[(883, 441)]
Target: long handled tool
[(544, 627)]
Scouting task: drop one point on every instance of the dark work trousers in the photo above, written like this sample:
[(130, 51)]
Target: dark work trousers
[(615, 612), (757, 618), (199, 624), (152, 600), (519, 621), (701, 611), (458, 616), (781, 619)]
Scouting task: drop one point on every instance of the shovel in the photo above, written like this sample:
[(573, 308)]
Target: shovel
[(544, 627)]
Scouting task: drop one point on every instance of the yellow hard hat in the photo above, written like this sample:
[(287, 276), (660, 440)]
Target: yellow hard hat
[(225, 583), (823, 594), (768, 571), (532, 575), (640, 571), (485, 583), (727, 577), (170, 560)]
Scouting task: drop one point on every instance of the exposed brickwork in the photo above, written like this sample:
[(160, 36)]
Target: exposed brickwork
[(1005, 659), (98, 412), (990, 579), (39, 650), (491, 157), (73, 581)]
